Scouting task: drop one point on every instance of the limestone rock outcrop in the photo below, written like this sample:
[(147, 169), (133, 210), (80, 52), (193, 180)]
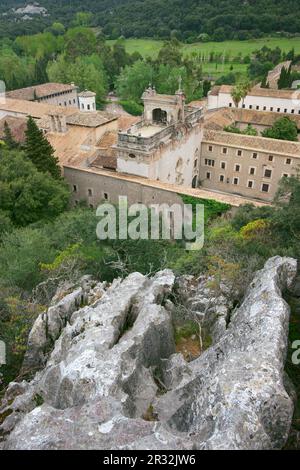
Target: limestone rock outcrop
[(112, 378)]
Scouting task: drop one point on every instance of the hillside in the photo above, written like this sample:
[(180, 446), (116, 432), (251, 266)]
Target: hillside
[(219, 19)]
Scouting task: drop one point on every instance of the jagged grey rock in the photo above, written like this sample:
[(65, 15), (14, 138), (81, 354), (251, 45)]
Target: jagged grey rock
[(102, 376)]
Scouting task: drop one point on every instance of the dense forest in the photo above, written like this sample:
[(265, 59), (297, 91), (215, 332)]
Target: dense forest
[(189, 20)]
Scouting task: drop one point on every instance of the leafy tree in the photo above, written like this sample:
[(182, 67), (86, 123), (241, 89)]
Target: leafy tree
[(285, 79), (87, 72), (79, 41), (8, 137), (26, 195), (39, 151), (283, 129), (133, 80)]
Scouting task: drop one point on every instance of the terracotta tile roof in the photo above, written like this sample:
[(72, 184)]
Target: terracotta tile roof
[(87, 94), (260, 144), (39, 91), (265, 92), (94, 119), (29, 108), (220, 118), (17, 127), (215, 91), (126, 121)]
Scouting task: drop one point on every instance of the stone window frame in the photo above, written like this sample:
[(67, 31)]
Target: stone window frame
[(265, 184), (271, 158), (235, 168), (238, 181), (241, 153), (225, 165), (270, 170), (255, 157), (288, 161), (253, 184), (210, 148), (208, 173), (221, 176), (224, 151), (252, 168)]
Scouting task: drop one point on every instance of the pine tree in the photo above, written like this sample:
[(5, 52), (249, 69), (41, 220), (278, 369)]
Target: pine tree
[(8, 138), (39, 151)]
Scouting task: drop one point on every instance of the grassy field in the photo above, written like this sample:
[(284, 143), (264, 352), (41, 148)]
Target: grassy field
[(150, 47)]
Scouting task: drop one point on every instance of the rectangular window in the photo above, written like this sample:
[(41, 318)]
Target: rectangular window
[(230, 105), (105, 196), (252, 171), (278, 110), (75, 188), (222, 178), (271, 109), (265, 108), (224, 150), (265, 188), (285, 110), (257, 107), (237, 168), (210, 148), (244, 106), (271, 158), (293, 111), (288, 161), (239, 153), (268, 174), (254, 155), (90, 192), (250, 107), (209, 162), (235, 181), (223, 165), (250, 184), (208, 175)]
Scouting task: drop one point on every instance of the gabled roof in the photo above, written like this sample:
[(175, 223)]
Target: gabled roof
[(40, 91)]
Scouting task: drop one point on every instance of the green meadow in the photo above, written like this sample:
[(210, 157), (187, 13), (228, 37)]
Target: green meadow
[(150, 47)]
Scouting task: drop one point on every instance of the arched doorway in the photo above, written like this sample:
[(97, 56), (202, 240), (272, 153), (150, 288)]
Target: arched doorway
[(159, 116), (195, 182)]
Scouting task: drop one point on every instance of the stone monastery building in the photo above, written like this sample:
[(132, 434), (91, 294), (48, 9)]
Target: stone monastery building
[(173, 148)]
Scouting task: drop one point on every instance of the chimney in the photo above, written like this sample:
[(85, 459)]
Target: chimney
[(58, 123)]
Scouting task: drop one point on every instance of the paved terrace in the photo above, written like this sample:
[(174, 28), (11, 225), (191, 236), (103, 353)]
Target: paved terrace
[(233, 200)]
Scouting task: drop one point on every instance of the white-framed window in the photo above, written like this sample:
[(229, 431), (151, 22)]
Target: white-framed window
[(267, 173), (236, 181), (265, 187), (223, 165), (237, 167), (210, 148), (222, 178), (224, 150), (252, 170), (250, 184), (288, 161), (239, 153), (255, 155), (271, 158), (208, 175), (209, 162)]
